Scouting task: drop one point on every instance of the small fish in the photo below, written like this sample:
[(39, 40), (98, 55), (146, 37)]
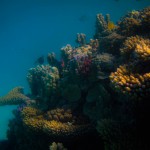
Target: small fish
[(40, 60)]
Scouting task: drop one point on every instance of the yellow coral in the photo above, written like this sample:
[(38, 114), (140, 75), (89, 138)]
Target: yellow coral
[(35, 120), (136, 47), (143, 50), (136, 85)]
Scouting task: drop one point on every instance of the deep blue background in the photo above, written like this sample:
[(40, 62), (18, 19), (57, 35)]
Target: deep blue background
[(31, 28)]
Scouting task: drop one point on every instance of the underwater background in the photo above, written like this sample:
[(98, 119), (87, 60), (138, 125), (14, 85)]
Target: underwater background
[(30, 29)]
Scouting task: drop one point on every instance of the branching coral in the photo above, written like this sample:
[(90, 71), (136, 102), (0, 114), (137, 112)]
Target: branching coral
[(136, 47), (104, 26), (135, 85), (81, 39), (66, 53), (15, 96)]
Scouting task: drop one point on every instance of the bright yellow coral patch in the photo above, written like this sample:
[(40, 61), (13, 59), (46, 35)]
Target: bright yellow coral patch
[(136, 85)]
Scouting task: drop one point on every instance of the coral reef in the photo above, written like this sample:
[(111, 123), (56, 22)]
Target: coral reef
[(14, 97), (131, 78), (98, 92)]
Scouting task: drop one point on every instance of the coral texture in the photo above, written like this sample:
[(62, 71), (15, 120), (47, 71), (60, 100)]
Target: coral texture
[(14, 97)]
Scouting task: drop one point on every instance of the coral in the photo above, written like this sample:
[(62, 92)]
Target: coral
[(81, 39), (101, 25), (111, 43), (52, 61), (43, 80), (55, 123), (136, 47), (59, 129), (135, 23), (83, 65), (66, 53), (30, 112), (87, 86), (129, 26), (60, 115), (142, 50), (94, 44), (145, 19), (14, 97), (104, 26), (104, 64), (135, 85), (57, 146)]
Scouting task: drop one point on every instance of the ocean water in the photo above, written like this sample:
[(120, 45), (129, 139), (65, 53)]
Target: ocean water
[(31, 28)]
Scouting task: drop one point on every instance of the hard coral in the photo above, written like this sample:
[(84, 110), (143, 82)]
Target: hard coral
[(136, 47), (81, 39), (61, 115), (135, 23), (15, 96), (135, 85), (58, 122), (43, 80)]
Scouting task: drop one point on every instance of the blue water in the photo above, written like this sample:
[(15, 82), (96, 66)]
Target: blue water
[(31, 28)]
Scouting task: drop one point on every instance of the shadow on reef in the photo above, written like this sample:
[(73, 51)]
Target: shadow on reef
[(96, 96)]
